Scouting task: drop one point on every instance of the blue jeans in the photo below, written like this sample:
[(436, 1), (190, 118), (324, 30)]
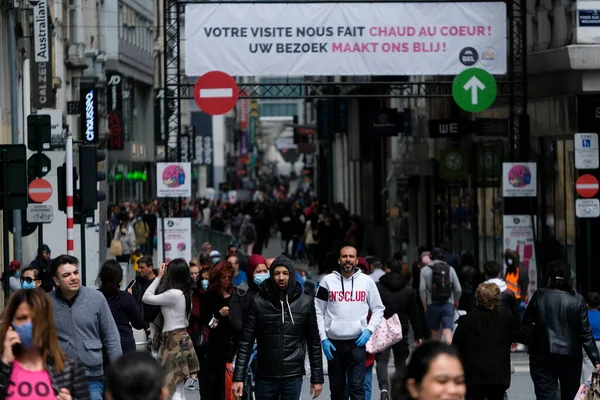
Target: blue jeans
[(368, 384), (96, 389), (348, 365), (278, 389)]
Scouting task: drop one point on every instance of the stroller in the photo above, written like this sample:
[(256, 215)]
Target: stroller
[(249, 384)]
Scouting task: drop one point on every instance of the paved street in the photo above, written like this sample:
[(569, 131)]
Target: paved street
[(521, 387)]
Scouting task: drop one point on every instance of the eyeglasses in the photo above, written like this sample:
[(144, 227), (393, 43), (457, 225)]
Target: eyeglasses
[(28, 279)]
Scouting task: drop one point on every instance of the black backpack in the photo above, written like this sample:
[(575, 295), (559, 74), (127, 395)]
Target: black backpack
[(441, 282)]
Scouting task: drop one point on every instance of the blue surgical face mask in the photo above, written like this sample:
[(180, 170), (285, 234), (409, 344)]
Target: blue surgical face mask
[(260, 278), (30, 285), (304, 278), (215, 260), (204, 284), (25, 332)]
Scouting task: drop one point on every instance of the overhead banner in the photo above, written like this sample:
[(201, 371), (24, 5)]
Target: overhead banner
[(291, 39)]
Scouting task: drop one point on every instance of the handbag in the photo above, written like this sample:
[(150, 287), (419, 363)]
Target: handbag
[(387, 334), (228, 381), (116, 248)]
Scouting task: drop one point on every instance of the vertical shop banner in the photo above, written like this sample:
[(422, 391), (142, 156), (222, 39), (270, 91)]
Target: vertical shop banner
[(519, 179), (519, 236), (114, 108), (342, 39), (174, 179), (42, 95), (58, 138), (89, 113), (178, 239)]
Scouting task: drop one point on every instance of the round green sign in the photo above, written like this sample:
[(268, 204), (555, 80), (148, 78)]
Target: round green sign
[(474, 89)]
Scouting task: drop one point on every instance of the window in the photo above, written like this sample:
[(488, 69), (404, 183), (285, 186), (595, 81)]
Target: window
[(72, 22)]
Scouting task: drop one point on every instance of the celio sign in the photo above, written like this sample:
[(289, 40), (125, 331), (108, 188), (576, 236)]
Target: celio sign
[(89, 113)]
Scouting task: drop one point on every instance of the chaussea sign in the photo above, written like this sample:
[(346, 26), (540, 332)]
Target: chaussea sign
[(291, 39)]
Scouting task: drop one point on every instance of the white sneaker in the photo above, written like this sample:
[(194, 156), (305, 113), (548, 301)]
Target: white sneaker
[(192, 384)]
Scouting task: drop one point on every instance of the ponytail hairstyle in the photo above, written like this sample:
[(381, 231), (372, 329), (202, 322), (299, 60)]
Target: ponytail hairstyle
[(559, 276)]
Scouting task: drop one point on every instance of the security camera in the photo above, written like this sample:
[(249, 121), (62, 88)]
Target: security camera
[(34, 2)]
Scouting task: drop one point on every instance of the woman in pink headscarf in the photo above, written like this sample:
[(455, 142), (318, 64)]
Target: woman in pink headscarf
[(257, 272)]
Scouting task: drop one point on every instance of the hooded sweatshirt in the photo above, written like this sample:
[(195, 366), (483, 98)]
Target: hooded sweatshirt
[(343, 304)]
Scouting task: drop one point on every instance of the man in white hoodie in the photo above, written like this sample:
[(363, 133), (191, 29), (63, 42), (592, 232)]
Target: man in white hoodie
[(343, 303)]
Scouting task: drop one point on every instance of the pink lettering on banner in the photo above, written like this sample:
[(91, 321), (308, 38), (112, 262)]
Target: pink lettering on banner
[(359, 296)]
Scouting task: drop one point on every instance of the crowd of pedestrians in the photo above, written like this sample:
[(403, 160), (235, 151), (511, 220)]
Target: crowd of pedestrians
[(236, 324)]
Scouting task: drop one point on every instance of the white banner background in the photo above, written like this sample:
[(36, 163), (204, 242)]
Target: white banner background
[(518, 236), (348, 38)]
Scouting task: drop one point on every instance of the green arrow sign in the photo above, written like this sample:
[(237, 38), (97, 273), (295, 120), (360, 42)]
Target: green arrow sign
[(474, 89)]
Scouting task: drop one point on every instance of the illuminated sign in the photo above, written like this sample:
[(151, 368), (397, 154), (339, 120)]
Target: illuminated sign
[(89, 114)]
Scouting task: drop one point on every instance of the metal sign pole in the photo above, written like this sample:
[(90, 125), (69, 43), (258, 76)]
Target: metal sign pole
[(69, 202)]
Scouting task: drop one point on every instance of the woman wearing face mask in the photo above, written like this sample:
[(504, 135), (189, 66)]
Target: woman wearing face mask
[(257, 272), (198, 332), (33, 365), (31, 278), (434, 372)]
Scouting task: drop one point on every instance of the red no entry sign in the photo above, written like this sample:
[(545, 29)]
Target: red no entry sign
[(40, 190), (587, 186), (216, 92)]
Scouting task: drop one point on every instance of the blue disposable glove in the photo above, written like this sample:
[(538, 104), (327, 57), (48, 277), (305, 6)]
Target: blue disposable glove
[(328, 347), (363, 338)]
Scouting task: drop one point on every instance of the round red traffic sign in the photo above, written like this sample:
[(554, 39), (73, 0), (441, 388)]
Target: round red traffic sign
[(587, 185), (40, 190), (216, 92)]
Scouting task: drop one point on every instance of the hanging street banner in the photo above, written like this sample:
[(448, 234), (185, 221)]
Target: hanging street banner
[(174, 180), (519, 236), (114, 105), (297, 39)]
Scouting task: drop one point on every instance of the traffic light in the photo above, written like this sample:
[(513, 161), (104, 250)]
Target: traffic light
[(61, 183), (89, 157)]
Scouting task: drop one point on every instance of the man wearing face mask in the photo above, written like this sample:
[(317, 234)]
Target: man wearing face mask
[(516, 277), (282, 320), (343, 302)]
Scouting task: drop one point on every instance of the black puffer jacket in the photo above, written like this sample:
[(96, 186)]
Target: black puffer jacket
[(560, 324), (400, 298), (72, 378), (283, 330)]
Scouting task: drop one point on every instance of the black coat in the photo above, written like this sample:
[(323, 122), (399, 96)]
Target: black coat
[(240, 302), (72, 377), (149, 312), (560, 324), (283, 332), (483, 339), (400, 298)]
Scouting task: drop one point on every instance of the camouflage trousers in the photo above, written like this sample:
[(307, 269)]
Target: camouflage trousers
[(178, 357)]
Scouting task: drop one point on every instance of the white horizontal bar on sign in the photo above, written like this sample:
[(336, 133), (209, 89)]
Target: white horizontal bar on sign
[(40, 190), (214, 93), (587, 186)]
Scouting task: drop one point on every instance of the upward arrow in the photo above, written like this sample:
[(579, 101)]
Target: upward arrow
[(474, 85)]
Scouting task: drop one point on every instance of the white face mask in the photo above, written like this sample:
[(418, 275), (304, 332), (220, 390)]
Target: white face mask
[(509, 261)]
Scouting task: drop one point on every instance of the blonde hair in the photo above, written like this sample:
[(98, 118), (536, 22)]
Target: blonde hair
[(487, 296)]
